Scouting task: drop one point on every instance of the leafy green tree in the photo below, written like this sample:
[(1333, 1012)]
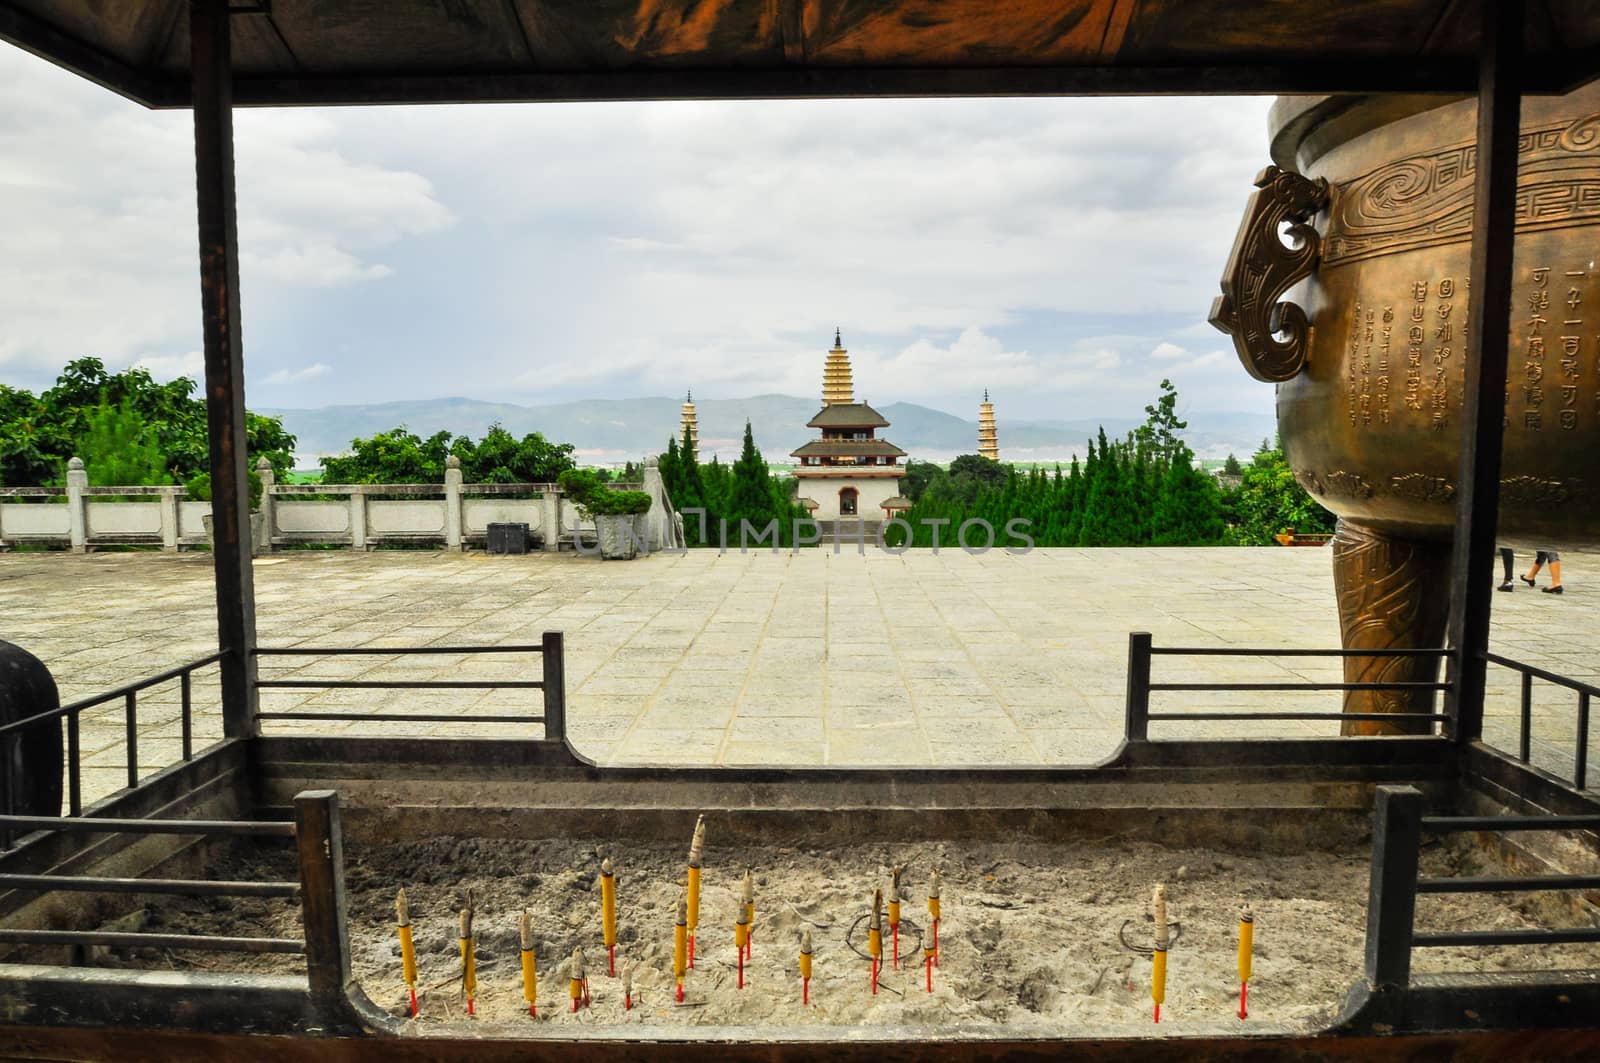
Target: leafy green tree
[(919, 476), (1160, 431), (1269, 501), (39, 433), (26, 458), (398, 456), (970, 474), (501, 458), (1231, 467)]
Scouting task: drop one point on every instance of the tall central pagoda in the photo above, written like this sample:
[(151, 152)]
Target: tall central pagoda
[(848, 473)]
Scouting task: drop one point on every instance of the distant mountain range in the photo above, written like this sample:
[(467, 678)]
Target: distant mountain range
[(615, 430)]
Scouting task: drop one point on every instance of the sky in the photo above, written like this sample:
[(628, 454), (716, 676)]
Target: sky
[(1062, 253)]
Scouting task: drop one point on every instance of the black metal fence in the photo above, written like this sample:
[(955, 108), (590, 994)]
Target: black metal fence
[(128, 694), (1392, 898), (1585, 692), (551, 681), (1141, 651), (78, 883), (320, 891)]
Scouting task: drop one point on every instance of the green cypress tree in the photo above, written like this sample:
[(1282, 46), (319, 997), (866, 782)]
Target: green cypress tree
[(694, 491), (1072, 505), (1100, 496), (752, 495), (1189, 512), (667, 463), (119, 449)]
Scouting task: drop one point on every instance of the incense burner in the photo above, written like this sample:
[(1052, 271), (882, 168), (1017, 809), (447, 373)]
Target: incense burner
[(1365, 222)]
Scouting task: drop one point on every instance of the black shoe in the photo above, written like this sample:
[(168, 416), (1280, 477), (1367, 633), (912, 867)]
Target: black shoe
[(1506, 586), (1526, 580), (1553, 590)]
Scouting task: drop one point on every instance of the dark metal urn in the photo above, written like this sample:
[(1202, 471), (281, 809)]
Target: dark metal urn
[(30, 757), (1368, 210)]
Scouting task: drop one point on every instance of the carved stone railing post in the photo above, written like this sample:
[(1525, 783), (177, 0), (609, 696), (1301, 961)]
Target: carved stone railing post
[(550, 519), (452, 503), (169, 517), (77, 506), (269, 527), (358, 518)]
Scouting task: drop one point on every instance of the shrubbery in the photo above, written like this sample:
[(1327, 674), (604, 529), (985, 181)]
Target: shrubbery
[(587, 489)]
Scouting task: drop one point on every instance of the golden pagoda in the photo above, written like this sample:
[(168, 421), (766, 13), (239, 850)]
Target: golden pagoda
[(689, 427), (836, 386), (988, 437), (848, 473)]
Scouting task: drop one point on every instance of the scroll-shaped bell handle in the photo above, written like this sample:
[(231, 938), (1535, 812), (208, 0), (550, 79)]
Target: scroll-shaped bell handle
[(1276, 248)]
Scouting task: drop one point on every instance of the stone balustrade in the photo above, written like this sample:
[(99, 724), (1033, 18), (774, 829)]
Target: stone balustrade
[(454, 515)]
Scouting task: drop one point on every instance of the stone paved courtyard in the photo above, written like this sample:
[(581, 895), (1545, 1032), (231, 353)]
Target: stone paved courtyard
[(809, 659)]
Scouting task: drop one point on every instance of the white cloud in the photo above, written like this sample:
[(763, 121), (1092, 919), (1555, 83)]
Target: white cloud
[(295, 376), (974, 360), (316, 265), (191, 364), (103, 260), (1061, 252)]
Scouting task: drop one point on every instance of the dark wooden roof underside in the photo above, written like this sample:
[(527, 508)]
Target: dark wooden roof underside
[(303, 52)]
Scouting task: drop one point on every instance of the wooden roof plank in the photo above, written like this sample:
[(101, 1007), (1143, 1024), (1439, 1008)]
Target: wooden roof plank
[(308, 52)]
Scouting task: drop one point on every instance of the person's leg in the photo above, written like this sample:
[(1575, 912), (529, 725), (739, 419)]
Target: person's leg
[(1554, 560), (1505, 567), (1538, 563)]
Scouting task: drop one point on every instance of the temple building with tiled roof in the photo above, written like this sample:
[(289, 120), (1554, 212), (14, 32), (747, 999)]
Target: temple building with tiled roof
[(847, 472)]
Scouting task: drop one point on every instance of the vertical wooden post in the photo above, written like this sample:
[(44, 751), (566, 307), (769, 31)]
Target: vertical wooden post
[(319, 840), (555, 688), (211, 69), (1392, 892), (1137, 727), (1484, 387)]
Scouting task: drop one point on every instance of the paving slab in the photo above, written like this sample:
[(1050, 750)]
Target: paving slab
[(812, 658)]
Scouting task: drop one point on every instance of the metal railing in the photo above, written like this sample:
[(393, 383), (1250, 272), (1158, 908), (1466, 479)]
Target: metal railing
[(77, 883), (552, 682), (1141, 651), (1392, 898), (319, 890), (128, 694), (1586, 693)]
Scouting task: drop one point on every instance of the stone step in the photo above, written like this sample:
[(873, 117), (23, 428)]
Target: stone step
[(848, 531)]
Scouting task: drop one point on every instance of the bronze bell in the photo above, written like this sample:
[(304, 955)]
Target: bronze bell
[(1368, 209)]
